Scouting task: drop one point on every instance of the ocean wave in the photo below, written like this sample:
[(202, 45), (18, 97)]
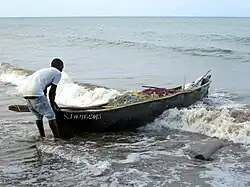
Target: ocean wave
[(194, 51), (95, 42), (224, 123), (6, 68), (203, 50), (245, 40), (215, 116), (69, 92), (147, 45)]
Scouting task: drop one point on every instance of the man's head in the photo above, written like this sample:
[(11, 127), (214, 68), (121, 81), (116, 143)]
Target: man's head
[(58, 64)]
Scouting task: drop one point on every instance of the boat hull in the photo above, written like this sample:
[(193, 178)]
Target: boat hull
[(73, 123)]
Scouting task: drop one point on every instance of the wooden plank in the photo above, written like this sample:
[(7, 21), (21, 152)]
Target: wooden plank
[(19, 108), (24, 108)]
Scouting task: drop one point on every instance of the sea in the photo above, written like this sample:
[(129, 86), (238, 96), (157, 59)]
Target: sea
[(115, 55)]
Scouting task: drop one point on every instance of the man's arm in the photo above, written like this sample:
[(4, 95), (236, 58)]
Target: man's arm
[(52, 91), (52, 95), (45, 92)]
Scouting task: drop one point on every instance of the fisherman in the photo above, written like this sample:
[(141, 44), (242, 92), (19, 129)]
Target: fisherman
[(34, 92)]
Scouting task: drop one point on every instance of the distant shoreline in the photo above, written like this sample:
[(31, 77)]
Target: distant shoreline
[(1, 17)]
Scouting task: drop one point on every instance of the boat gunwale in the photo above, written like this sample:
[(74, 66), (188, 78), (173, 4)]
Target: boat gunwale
[(132, 104)]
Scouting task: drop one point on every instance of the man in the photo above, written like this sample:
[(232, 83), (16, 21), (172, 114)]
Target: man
[(34, 92)]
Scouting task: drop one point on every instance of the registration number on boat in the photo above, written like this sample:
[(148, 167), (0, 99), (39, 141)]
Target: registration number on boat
[(82, 116)]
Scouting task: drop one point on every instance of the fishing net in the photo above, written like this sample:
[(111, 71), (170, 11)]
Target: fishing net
[(145, 95)]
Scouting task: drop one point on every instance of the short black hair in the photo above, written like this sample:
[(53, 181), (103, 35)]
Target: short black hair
[(56, 62)]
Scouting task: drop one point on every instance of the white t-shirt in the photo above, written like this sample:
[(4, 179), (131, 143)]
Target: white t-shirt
[(38, 81)]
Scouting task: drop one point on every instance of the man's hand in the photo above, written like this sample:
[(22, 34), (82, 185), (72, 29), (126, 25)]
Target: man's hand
[(54, 106), (45, 92)]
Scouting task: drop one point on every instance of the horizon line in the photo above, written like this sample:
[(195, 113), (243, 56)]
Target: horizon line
[(108, 16)]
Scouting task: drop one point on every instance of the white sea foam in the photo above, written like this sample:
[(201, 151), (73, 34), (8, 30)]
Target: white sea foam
[(132, 177), (91, 164), (68, 92), (224, 100), (225, 173), (133, 157), (214, 123)]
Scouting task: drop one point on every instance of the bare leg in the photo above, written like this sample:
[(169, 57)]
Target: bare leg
[(39, 124), (53, 127)]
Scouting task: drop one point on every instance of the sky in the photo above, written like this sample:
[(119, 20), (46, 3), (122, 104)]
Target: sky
[(55, 8)]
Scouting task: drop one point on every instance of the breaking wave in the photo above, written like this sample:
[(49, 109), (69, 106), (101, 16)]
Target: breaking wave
[(68, 92), (230, 122), (245, 40), (204, 51), (218, 116), (147, 45)]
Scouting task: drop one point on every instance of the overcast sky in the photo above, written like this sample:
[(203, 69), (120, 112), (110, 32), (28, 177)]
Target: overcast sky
[(34, 8)]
